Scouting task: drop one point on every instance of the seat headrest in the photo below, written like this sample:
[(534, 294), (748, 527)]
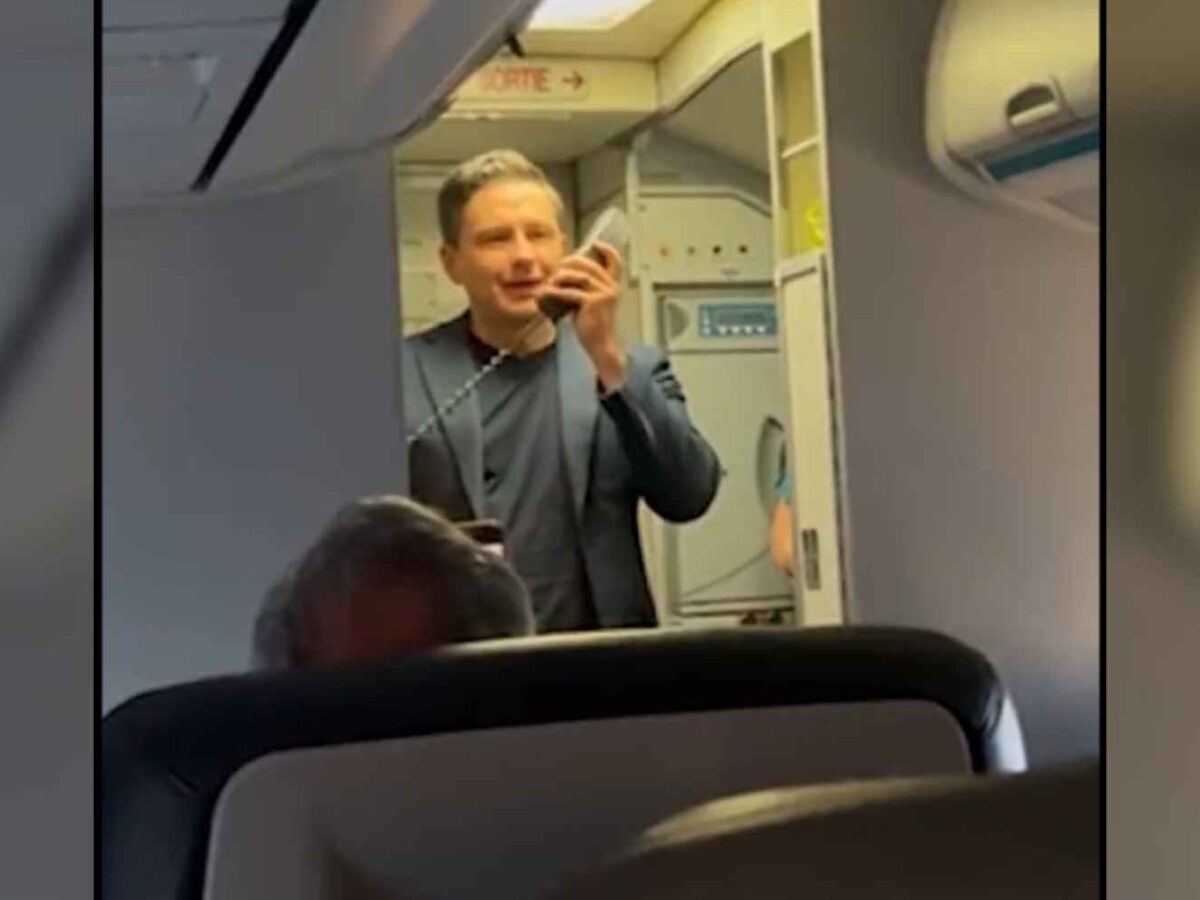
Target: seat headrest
[(997, 837)]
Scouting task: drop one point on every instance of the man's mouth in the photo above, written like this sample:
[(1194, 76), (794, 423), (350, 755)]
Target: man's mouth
[(523, 284)]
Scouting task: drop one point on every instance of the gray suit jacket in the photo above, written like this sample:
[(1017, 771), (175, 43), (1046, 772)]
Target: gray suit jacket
[(637, 443)]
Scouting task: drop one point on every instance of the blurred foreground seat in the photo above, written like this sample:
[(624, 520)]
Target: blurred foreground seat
[(1013, 837), (494, 769)]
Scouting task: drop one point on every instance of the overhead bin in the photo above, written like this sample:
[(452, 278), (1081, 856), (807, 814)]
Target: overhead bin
[(1013, 104), (363, 74), (215, 95), (166, 96)]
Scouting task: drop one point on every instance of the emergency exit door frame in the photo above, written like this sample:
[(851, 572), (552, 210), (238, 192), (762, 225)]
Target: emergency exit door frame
[(819, 534)]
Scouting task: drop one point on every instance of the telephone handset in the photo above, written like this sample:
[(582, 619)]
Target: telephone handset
[(611, 227)]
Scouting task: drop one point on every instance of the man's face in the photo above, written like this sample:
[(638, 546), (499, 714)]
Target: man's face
[(509, 243)]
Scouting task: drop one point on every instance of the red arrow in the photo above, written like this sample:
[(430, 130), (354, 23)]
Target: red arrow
[(576, 79)]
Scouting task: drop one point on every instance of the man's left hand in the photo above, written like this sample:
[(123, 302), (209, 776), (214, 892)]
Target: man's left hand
[(594, 289)]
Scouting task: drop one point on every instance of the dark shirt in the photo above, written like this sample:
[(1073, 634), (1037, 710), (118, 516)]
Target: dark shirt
[(526, 486)]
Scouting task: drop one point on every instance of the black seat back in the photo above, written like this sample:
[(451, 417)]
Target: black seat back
[(170, 755)]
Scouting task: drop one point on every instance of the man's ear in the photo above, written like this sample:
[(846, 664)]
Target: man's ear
[(449, 256)]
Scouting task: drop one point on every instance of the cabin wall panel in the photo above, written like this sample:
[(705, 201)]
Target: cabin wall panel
[(249, 388), (968, 338)]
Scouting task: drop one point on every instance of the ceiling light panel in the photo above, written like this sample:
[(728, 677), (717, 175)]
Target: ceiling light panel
[(567, 14)]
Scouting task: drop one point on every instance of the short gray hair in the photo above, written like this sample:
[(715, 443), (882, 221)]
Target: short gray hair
[(472, 594), (470, 176)]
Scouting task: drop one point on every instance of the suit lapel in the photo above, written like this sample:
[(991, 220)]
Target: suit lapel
[(579, 408), (445, 365)]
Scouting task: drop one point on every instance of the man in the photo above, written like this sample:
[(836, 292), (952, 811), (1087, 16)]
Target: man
[(386, 576), (561, 441)]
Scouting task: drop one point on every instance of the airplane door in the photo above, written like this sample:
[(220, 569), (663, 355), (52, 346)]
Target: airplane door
[(723, 347)]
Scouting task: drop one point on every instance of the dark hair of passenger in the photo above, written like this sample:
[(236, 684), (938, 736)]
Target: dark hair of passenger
[(405, 564)]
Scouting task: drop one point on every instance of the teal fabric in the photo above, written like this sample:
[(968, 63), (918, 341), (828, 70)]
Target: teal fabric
[(783, 488)]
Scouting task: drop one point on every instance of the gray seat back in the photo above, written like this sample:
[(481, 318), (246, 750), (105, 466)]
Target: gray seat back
[(1011, 837)]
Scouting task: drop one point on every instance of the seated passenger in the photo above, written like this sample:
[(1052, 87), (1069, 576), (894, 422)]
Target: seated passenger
[(783, 546), (387, 575)]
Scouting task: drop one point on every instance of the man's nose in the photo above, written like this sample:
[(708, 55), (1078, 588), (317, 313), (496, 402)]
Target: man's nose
[(522, 249)]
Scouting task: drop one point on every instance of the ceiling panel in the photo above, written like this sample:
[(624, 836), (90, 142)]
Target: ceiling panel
[(167, 94), (544, 141), (729, 114), (359, 74), (146, 13)]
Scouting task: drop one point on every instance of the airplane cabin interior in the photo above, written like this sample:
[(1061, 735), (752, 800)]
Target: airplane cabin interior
[(862, 240)]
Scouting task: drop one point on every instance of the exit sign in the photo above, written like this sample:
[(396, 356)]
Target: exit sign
[(525, 80)]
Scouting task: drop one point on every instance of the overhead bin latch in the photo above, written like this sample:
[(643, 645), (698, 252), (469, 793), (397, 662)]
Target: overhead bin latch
[(1033, 105)]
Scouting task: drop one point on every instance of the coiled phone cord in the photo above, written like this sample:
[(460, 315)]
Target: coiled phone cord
[(612, 227), (473, 382)]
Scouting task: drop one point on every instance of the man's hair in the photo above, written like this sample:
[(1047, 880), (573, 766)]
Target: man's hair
[(473, 174), (390, 541)]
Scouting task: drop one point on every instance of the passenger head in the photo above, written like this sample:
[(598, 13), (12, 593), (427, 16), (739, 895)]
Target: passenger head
[(502, 236), (387, 575)]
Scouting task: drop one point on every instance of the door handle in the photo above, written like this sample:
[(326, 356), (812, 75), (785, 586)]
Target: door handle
[(811, 546)]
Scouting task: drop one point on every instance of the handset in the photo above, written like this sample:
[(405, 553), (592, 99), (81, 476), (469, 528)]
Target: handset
[(611, 227)]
